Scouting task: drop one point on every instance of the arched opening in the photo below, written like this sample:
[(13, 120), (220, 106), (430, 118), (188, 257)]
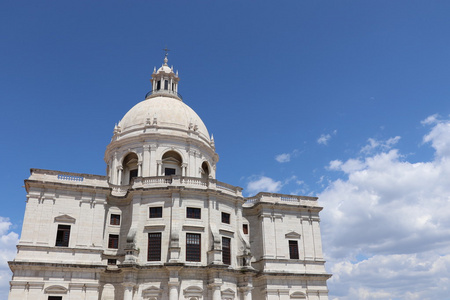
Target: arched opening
[(171, 163), (205, 170), (130, 168)]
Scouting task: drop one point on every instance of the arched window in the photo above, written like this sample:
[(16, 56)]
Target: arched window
[(171, 163), (205, 170), (130, 168)]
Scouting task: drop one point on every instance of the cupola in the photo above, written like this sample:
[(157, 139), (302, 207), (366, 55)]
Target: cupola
[(164, 82)]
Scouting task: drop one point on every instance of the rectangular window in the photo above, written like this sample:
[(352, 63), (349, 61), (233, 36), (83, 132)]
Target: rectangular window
[(293, 250), (54, 297), (154, 246), (169, 171), (156, 212), (133, 174), (226, 251), (62, 236), (225, 218), (193, 247), (113, 241), (115, 219), (112, 262), (245, 228), (166, 84), (193, 213)]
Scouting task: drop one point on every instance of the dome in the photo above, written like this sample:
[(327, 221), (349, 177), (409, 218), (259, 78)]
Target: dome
[(165, 112), (165, 69)]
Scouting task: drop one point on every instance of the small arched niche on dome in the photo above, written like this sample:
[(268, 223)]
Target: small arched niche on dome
[(130, 168), (205, 170), (171, 163)]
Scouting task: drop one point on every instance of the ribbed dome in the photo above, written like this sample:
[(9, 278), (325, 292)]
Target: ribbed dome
[(168, 113)]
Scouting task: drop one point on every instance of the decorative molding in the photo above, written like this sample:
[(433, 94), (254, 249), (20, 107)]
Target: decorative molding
[(155, 227), (152, 291), (298, 295), (292, 235), (228, 294), (191, 227), (193, 291), (65, 219), (55, 289)]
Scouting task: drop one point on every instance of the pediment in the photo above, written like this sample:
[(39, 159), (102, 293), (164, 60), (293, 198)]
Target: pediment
[(292, 235), (152, 291), (65, 219), (298, 295), (193, 291), (55, 289), (228, 294)]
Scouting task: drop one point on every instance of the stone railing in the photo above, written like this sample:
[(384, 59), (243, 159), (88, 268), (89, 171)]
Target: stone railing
[(188, 182), (68, 178), (281, 199)]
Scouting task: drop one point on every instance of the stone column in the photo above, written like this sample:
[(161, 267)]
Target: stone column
[(159, 168), (146, 161), (173, 289), (140, 169), (246, 292), (128, 291), (316, 237), (216, 292), (268, 234), (183, 169), (119, 175), (308, 242), (215, 287)]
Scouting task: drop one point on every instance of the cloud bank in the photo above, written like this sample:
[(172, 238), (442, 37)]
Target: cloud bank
[(386, 225), (8, 242)]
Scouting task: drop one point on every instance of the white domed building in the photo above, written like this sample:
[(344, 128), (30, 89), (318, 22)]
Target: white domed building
[(159, 226)]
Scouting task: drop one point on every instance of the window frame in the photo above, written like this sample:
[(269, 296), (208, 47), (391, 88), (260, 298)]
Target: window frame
[(62, 235), (293, 249), (245, 228), (157, 212), (114, 220), (193, 250), (226, 218), (54, 298), (193, 213), (173, 171), (154, 244), (226, 250), (113, 241)]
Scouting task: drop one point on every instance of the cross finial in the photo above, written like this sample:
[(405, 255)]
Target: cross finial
[(166, 50)]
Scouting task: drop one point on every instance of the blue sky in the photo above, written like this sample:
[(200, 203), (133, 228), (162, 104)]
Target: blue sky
[(345, 100)]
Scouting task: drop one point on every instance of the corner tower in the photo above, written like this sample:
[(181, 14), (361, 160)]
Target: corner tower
[(160, 136)]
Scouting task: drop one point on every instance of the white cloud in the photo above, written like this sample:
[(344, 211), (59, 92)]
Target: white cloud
[(374, 144), (282, 158), (286, 157), (430, 120), (263, 184), (385, 226), (323, 139), (439, 138), (8, 241)]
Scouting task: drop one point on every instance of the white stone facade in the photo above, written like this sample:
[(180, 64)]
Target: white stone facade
[(159, 226)]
